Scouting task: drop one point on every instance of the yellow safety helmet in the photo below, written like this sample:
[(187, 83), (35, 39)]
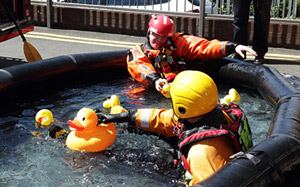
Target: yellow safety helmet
[(193, 94)]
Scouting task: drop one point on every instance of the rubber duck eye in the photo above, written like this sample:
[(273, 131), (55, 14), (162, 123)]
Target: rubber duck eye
[(83, 118)]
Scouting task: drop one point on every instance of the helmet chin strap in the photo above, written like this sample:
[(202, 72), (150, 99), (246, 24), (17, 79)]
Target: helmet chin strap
[(195, 119), (148, 37)]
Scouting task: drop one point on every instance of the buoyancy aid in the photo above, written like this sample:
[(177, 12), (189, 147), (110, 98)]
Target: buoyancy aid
[(162, 59), (239, 131)]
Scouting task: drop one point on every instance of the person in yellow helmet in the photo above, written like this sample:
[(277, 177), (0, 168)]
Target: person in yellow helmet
[(165, 53), (208, 134)]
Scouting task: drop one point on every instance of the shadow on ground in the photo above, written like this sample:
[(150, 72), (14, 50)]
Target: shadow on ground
[(278, 62)]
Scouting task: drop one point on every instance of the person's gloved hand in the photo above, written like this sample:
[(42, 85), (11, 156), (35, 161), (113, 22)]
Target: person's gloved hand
[(159, 83), (129, 116), (108, 118)]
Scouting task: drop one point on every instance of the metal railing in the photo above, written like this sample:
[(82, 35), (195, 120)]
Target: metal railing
[(283, 9), (287, 9)]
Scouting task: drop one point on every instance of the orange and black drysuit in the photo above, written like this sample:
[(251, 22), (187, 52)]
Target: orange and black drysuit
[(205, 145), (146, 64)]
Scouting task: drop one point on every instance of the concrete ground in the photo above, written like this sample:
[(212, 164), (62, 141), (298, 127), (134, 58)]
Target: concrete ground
[(284, 60), (56, 42)]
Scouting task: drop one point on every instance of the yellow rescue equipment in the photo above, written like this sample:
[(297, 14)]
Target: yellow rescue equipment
[(87, 135)]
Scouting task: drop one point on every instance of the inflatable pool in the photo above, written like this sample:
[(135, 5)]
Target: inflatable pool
[(274, 161)]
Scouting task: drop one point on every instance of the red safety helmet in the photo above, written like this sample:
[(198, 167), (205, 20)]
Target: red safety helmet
[(161, 25)]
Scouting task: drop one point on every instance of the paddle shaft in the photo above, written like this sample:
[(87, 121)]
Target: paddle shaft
[(30, 52), (14, 20)]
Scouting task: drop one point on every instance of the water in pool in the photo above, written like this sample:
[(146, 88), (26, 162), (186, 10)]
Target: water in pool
[(132, 160)]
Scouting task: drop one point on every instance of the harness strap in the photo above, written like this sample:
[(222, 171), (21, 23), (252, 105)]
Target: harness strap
[(258, 156), (255, 160)]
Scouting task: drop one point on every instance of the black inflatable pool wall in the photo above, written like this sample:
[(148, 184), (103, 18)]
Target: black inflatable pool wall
[(278, 155), (14, 76), (270, 163)]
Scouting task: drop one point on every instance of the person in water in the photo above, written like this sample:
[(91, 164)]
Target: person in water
[(208, 133), (165, 53)]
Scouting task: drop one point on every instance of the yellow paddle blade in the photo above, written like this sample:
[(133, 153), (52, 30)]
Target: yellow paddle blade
[(31, 53)]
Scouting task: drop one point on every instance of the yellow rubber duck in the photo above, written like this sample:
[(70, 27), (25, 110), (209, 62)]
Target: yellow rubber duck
[(87, 135), (166, 90), (117, 109), (113, 101), (232, 97), (44, 117), (113, 105)]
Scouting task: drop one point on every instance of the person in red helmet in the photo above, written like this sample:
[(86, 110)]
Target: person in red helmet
[(160, 27), (165, 53)]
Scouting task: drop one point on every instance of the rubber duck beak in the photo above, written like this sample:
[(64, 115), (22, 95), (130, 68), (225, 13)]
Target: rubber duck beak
[(44, 121), (75, 125), (41, 119)]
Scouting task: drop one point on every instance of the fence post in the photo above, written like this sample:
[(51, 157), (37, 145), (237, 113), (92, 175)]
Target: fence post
[(201, 18), (50, 14)]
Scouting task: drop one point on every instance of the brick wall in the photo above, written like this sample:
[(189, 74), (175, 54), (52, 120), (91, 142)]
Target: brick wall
[(281, 34)]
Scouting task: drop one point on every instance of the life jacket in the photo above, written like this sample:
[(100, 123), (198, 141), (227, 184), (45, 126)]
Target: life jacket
[(239, 132), (162, 60)]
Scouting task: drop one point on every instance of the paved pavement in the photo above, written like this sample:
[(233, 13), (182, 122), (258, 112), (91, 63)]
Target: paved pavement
[(284, 60), (56, 42)]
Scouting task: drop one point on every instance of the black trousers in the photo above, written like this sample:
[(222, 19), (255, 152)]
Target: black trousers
[(241, 10)]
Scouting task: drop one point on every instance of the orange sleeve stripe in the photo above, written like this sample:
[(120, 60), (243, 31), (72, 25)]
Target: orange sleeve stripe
[(159, 121)]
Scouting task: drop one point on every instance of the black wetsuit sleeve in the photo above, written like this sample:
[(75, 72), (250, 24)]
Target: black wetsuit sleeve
[(152, 78), (230, 47)]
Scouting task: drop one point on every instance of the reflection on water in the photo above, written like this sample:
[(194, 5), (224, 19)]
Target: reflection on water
[(133, 160)]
